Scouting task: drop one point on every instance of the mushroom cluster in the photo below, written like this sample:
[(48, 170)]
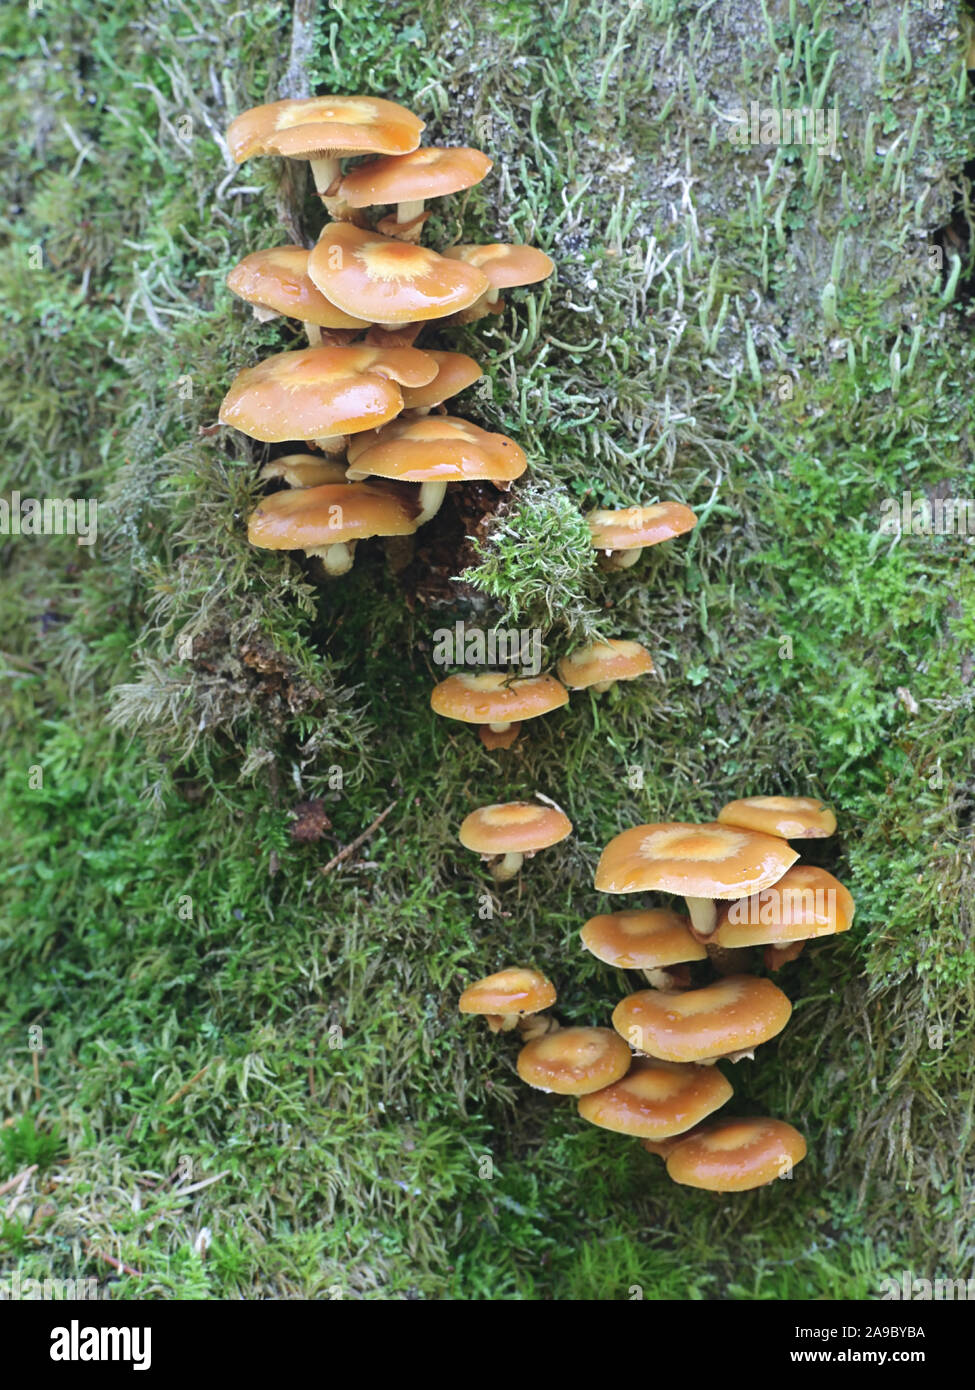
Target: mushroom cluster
[(654, 1075), (366, 405)]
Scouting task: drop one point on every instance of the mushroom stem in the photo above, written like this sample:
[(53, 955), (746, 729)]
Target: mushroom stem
[(431, 500), (492, 296), (601, 687), (337, 559), (314, 334), (405, 212), (263, 314), (660, 979), (621, 559), (507, 867), (704, 915), (499, 728), (333, 445), (324, 171)]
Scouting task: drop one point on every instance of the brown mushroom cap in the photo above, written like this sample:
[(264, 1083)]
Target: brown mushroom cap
[(456, 371), (333, 514), (512, 991), (698, 861), (514, 827), (657, 1099), (505, 266), (389, 281), (438, 448), (730, 1015), (492, 697), (430, 172), (612, 660), (305, 470), (791, 817), (806, 902), (327, 125), (278, 279), (323, 391), (736, 1155), (574, 1061), (642, 940), (633, 528)]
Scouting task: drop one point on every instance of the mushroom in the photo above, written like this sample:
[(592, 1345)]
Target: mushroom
[(623, 535), (408, 180), (655, 1100), (726, 1019), (323, 393), (327, 521), (497, 702), (574, 1061), (455, 372), (601, 664), (276, 282), (736, 1155), (701, 862), (512, 998), (646, 941), (506, 267), (304, 470), (506, 832), (435, 450), (790, 817), (324, 130), (804, 904), (389, 282)]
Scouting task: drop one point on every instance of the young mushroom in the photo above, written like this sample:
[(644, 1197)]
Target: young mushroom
[(512, 998), (506, 267), (574, 1061), (328, 521), (323, 393), (649, 941), (656, 1100), (700, 862), (505, 833), (324, 130), (303, 470), (789, 817), (497, 702), (601, 664), (389, 282), (408, 180), (805, 904), (736, 1155), (724, 1020), (455, 372), (623, 535), (433, 451), (275, 282)]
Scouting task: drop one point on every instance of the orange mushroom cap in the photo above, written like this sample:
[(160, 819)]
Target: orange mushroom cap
[(691, 1025), (634, 528), (657, 1099), (456, 371), (323, 391), (791, 817), (389, 281), (512, 991), (335, 513), (430, 172), (438, 448), (736, 1155), (612, 660), (326, 125), (278, 279), (514, 827), (492, 697), (698, 861), (642, 940), (806, 902), (574, 1061), (505, 266)]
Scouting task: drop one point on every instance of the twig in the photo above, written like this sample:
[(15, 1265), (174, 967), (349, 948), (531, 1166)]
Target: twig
[(206, 1182), (110, 1260), (357, 842), (11, 1183), (178, 1095)]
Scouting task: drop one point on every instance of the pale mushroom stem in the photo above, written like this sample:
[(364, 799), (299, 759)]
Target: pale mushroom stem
[(263, 314), (324, 170), (337, 559), (622, 559), (405, 212), (658, 979), (431, 500), (507, 867), (601, 687), (333, 445), (704, 914), (314, 334), (499, 728)]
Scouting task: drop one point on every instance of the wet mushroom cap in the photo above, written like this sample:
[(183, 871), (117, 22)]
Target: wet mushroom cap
[(642, 940), (430, 172), (730, 1015), (438, 448), (506, 266), (633, 528), (512, 991), (323, 391), (807, 902), (304, 470), (657, 1099), (514, 827), (455, 372), (278, 279), (326, 125), (333, 514), (697, 861), (791, 817), (495, 698), (388, 281), (612, 660), (736, 1155), (574, 1061)]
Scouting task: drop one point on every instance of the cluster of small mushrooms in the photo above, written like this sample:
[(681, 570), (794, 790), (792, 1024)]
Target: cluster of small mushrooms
[(653, 1075)]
